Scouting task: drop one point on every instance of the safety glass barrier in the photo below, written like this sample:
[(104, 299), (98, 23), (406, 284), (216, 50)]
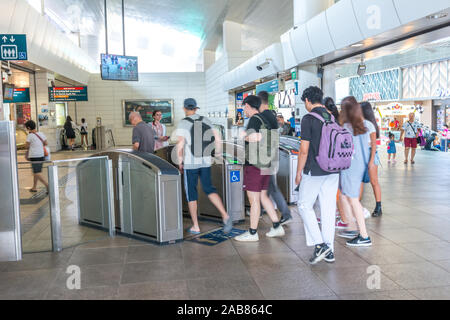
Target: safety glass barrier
[(34, 205), (77, 208)]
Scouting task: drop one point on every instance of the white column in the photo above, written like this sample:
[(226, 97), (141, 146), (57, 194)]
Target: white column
[(209, 57), (329, 81), (304, 10), (307, 9), (232, 36)]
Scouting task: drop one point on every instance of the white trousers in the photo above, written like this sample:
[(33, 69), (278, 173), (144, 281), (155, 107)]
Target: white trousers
[(325, 188)]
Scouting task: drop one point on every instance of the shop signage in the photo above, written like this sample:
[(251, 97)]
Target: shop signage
[(21, 95), (270, 87), (372, 96), (13, 47), (65, 94), (442, 93), (396, 109)]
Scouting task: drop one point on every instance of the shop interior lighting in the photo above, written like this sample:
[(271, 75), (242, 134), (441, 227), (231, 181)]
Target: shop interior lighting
[(357, 45), (437, 16)]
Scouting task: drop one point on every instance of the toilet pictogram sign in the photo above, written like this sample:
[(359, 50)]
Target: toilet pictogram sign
[(13, 47)]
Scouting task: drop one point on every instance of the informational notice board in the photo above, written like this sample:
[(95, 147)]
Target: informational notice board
[(66, 94)]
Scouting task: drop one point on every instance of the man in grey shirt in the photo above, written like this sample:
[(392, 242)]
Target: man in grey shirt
[(198, 167), (143, 134)]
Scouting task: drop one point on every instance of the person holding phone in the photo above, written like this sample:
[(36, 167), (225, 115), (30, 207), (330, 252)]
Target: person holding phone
[(160, 130)]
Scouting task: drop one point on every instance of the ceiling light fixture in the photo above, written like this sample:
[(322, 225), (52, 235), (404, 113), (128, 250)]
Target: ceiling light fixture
[(437, 16), (357, 45)]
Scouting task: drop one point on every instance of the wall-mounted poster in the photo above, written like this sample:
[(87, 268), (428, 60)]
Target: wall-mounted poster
[(146, 108)]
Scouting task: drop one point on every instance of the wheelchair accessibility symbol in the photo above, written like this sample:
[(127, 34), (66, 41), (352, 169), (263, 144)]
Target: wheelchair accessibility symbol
[(235, 176)]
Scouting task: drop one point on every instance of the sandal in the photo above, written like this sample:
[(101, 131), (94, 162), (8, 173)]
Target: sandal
[(193, 232), (413, 162), (33, 190), (405, 162)]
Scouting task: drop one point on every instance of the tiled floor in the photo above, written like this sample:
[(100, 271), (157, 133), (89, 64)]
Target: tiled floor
[(411, 249)]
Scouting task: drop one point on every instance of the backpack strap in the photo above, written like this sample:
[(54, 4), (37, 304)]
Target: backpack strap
[(319, 117), (261, 119), (189, 120)]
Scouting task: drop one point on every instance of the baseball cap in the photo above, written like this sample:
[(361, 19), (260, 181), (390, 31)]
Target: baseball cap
[(190, 104)]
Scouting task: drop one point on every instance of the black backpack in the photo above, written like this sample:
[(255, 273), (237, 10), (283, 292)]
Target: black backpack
[(207, 138)]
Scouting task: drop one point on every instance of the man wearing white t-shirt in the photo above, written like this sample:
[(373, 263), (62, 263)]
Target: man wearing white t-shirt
[(36, 145), (410, 131)]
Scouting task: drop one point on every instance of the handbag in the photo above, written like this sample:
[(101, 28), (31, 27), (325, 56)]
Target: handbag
[(419, 141), (46, 153), (366, 176)]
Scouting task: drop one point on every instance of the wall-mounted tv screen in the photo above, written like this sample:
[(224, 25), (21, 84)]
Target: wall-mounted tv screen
[(120, 68), (8, 92)]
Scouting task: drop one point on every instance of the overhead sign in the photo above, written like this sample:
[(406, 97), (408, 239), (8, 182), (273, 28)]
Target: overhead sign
[(65, 94), (21, 95), (13, 47), (270, 87)]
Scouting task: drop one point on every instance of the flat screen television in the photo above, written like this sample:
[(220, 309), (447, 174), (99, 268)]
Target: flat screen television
[(119, 68), (8, 92)]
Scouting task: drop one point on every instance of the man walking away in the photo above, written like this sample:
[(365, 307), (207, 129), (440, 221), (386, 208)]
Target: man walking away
[(256, 181), (274, 191), (143, 135), (196, 137), (410, 131), (315, 182)]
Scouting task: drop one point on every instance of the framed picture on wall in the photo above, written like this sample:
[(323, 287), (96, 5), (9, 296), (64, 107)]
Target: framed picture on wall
[(146, 107)]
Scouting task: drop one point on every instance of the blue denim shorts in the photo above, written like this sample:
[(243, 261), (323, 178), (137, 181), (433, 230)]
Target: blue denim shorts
[(191, 181)]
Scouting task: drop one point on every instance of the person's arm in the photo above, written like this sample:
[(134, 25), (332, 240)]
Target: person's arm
[(180, 151), (373, 150), (217, 142), (136, 140), (302, 157)]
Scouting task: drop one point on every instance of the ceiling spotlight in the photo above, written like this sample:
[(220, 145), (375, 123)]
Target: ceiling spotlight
[(437, 16), (357, 45), (362, 68)]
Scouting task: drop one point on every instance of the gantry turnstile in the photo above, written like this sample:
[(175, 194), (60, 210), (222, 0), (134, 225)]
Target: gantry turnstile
[(147, 196), (289, 149), (227, 178)]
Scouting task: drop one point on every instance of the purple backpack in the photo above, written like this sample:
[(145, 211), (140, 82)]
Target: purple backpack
[(336, 146)]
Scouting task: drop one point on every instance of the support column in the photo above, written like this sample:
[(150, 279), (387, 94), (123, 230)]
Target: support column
[(329, 81), (232, 36), (304, 10)]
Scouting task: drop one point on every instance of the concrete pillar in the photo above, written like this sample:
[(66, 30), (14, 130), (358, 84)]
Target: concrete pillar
[(307, 9), (209, 57), (232, 36), (329, 81), (304, 10)]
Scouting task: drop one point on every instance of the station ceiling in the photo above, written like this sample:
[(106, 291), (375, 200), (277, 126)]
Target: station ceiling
[(170, 30)]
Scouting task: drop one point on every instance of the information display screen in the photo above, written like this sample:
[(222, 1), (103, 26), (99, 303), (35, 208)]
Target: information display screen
[(120, 68), (8, 92), (20, 95), (65, 94)]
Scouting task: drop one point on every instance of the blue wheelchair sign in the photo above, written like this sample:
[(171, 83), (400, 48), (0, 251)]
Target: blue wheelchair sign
[(235, 176)]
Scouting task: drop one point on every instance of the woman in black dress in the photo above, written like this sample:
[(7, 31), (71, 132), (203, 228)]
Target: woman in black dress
[(70, 132)]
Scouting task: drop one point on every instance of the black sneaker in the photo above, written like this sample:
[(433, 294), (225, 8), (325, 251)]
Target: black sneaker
[(285, 220), (330, 257), (377, 213), (320, 252), (360, 242)]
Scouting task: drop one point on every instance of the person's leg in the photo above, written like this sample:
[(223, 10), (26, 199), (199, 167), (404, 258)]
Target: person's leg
[(348, 213), (268, 206), (357, 210), (413, 154), (40, 178), (308, 193), (190, 186), (328, 208), (255, 208), (35, 181), (208, 188), (278, 197), (406, 154), (373, 173)]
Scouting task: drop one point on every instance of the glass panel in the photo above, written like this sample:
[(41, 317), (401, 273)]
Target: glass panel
[(60, 114)]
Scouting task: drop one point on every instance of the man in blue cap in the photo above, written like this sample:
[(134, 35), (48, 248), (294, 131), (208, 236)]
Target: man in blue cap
[(196, 140)]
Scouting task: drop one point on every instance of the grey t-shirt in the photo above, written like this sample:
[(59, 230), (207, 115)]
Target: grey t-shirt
[(145, 136), (184, 130)]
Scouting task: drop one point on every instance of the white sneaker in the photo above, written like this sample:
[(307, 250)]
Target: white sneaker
[(278, 232), (366, 213), (247, 237)]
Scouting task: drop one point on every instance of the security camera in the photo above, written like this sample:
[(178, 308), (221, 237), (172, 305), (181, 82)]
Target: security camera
[(265, 65), (9, 72)]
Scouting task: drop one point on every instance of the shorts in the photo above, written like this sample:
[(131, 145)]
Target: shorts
[(411, 143), (84, 133), (254, 181), (37, 167), (191, 180)]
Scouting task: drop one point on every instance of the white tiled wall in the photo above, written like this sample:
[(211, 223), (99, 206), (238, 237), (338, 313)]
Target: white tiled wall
[(105, 98)]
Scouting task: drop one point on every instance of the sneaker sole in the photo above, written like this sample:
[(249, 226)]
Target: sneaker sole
[(276, 236), (359, 245), (329, 261), (321, 257), (247, 240), (347, 237), (287, 222), (341, 228)]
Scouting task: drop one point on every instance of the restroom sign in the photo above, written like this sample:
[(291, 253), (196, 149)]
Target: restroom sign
[(235, 176), (13, 47)]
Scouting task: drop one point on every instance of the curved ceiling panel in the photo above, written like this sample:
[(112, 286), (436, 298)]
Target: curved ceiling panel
[(413, 10), (342, 23), (319, 35), (300, 44)]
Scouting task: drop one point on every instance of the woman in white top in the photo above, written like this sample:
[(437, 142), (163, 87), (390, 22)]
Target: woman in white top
[(84, 133), (160, 130), (36, 144)]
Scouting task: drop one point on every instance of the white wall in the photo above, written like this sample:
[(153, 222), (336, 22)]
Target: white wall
[(105, 98)]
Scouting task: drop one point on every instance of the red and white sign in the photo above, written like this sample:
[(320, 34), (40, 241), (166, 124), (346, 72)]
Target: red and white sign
[(373, 96)]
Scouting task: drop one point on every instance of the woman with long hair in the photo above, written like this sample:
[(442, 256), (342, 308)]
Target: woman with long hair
[(373, 172), (363, 131), (328, 102), (239, 119), (70, 132), (160, 130)]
